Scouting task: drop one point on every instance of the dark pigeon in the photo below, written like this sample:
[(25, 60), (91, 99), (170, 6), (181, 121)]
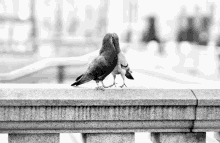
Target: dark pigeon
[(102, 65)]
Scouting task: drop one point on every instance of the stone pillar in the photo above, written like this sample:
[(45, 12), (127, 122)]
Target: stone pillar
[(199, 137), (34, 138), (108, 138)]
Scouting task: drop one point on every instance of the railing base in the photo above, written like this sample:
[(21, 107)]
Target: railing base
[(217, 136), (199, 137), (34, 138), (108, 138)]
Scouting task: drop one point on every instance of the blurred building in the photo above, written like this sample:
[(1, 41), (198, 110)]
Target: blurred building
[(78, 19)]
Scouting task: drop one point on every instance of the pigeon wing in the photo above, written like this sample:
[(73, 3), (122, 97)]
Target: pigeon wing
[(99, 68)]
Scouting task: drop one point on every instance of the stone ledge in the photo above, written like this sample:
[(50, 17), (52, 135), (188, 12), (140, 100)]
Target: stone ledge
[(95, 126), (54, 95), (55, 108), (207, 110), (97, 113), (206, 126), (49, 108), (207, 97)]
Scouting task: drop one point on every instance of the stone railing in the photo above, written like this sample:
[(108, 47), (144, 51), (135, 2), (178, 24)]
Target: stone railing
[(39, 113), (77, 64)]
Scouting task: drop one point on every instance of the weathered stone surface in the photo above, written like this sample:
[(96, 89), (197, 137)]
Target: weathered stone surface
[(178, 137), (208, 110), (118, 112), (34, 138), (36, 95), (37, 108), (95, 126), (208, 113), (206, 126), (207, 97), (87, 113)]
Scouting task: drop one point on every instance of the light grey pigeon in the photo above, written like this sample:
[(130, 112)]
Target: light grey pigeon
[(102, 65), (122, 67)]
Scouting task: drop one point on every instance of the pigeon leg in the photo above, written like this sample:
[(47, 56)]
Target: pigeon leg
[(104, 85), (99, 87), (123, 77), (114, 76)]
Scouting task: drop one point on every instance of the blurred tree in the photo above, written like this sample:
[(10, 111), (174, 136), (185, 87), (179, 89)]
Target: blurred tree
[(88, 33), (58, 22), (47, 23), (150, 34), (206, 23), (74, 21), (101, 27), (58, 31), (128, 36), (150, 31), (203, 35), (74, 24), (129, 30), (89, 12), (10, 36), (217, 42), (181, 27), (130, 17), (192, 35), (3, 4), (34, 30), (12, 20)]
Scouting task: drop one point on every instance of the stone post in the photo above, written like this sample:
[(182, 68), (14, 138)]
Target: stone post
[(199, 137), (34, 138), (108, 138)]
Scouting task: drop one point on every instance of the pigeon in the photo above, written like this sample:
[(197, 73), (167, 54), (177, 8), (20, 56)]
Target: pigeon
[(102, 65), (122, 67)]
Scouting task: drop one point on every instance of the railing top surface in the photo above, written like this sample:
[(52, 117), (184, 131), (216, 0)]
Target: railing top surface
[(65, 95), (48, 62), (207, 97)]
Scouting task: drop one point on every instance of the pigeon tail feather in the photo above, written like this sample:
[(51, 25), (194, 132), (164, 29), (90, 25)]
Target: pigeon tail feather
[(79, 77), (128, 75)]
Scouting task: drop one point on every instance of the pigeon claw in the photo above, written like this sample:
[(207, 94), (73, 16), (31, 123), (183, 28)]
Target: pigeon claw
[(123, 85), (114, 84), (100, 88)]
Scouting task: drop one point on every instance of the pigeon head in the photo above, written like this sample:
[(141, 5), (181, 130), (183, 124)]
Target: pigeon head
[(107, 39), (116, 42), (107, 44)]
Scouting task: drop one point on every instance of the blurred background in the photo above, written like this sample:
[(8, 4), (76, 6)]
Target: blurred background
[(172, 43)]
